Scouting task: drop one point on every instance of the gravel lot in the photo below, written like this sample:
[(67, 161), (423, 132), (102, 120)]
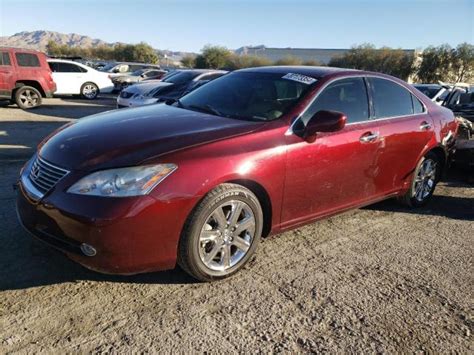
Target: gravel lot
[(378, 279)]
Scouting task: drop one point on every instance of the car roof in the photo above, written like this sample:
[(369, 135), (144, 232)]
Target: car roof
[(314, 72), (65, 61), (17, 49)]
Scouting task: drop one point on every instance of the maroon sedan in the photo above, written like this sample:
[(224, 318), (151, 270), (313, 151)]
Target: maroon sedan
[(258, 151)]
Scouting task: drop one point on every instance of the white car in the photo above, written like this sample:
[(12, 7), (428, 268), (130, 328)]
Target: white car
[(74, 78), (172, 87), (134, 95)]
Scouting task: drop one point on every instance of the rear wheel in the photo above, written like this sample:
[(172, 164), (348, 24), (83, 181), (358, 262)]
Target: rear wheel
[(221, 234), (425, 178), (89, 91), (27, 97)]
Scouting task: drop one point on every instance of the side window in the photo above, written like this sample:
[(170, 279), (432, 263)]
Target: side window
[(69, 68), (53, 66), (5, 58), (390, 99), (348, 96), (27, 60), (417, 105)]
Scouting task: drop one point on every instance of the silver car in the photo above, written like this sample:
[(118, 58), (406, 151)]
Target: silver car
[(170, 88)]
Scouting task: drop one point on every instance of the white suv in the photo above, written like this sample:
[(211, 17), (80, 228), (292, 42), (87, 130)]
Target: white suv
[(74, 78)]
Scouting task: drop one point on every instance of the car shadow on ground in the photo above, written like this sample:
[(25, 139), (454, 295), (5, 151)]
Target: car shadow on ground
[(33, 264), (67, 107), (19, 139), (454, 207)]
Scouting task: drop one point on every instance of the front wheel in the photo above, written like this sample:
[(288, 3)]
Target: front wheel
[(425, 178), (89, 91), (221, 234), (27, 97)]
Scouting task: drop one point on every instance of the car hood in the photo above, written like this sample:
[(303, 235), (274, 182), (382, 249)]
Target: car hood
[(132, 136)]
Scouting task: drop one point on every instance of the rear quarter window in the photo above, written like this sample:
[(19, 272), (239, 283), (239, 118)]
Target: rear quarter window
[(27, 60)]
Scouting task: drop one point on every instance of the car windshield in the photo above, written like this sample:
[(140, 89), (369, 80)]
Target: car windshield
[(181, 77), (249, 95)]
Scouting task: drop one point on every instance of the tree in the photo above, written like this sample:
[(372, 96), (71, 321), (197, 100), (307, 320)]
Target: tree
[(214, 57), (246, 61), (289, 60), (435, 64), (188, 61), (463, 63), (312, 63), (386, 60)]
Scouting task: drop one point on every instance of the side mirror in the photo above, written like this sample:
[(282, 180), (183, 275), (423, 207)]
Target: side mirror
[(325, 121)]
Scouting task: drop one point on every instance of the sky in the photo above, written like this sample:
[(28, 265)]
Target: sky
[(188, 25)]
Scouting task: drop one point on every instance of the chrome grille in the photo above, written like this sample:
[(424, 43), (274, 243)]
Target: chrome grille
[(44, 176)]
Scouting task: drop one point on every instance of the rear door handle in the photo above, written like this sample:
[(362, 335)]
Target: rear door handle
[(369, 137), (424, 126)]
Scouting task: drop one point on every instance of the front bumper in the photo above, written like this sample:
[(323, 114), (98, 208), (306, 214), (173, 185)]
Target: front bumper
[(129, 235)]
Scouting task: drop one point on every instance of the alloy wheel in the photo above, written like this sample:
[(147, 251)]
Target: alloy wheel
[(29, 98), (425, 180), (89, 91), (227, 235)]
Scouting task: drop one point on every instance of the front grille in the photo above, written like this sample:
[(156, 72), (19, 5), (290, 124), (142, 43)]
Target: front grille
[(44, 176), (126, 95)]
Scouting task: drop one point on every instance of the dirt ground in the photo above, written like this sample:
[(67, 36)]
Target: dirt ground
[(378, 279)]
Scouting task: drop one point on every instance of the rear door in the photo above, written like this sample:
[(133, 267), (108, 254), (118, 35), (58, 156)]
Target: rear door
[(7, 75), (405, 129)]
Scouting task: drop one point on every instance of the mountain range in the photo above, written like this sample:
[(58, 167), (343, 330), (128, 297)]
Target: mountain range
[(39, 39)]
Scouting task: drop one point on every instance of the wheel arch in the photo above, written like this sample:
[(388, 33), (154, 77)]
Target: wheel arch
[(442, 157), (32, 83), (264, 199)]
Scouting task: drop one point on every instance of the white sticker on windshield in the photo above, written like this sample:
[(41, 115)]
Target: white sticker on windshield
[(300, 78)]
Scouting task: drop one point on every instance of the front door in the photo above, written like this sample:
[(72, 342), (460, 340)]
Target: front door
[(338, 169)]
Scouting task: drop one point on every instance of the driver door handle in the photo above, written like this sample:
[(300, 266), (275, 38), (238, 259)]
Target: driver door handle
[(369, 137)]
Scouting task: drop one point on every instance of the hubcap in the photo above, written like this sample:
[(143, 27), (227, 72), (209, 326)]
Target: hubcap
[(425, 180), (29, 98), (90, 91), (227, 235)]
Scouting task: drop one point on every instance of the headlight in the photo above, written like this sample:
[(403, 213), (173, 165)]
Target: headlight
[(123, 182)]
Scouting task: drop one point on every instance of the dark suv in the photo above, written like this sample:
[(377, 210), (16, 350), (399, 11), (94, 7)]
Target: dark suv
[(25, 77)]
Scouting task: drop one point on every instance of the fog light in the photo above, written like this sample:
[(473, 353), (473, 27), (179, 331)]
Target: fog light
[(88, 250)]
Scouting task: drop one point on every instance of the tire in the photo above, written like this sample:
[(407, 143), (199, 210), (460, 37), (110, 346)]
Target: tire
[(424, 181), (89, 91), (205, 242), (27, 97)]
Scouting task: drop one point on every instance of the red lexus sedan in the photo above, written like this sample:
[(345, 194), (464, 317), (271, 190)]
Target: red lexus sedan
[(258, 151)]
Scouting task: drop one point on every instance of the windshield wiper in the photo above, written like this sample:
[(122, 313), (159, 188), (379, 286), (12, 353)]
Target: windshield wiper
[(207, 109)]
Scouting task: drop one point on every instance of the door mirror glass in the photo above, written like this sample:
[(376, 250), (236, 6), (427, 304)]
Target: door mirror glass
[(325, 121)]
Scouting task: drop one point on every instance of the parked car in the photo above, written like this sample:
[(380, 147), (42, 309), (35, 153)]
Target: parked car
[(74, 78), (170, 88), (437, 93), (25, 77), (120, 68), (122, 81), (255, 152)]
